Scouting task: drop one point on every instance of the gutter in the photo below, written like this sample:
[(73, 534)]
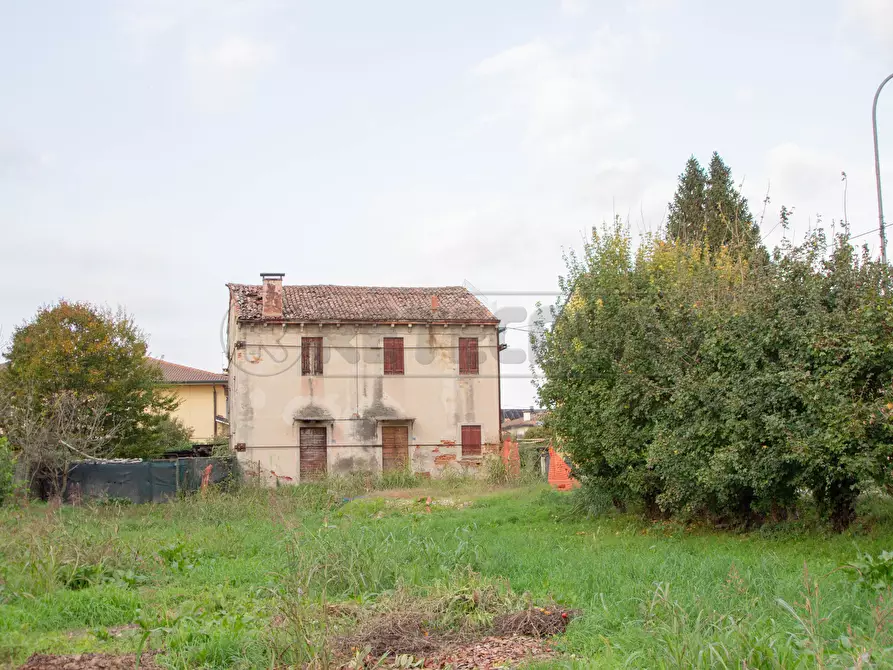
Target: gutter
[(209, 382), (499, 347)]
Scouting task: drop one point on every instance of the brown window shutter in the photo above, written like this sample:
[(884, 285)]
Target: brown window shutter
[(468, 356), (393, 355), (471, 440), (311, 356)]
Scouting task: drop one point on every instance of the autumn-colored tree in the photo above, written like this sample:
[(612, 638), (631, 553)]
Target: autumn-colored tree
[(91, 352)]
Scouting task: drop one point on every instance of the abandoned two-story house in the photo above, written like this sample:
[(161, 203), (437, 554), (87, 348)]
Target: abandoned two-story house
[(336, 379)]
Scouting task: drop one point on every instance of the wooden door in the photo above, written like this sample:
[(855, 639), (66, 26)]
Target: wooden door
[(313, 453), (471, 441), (394, 447)]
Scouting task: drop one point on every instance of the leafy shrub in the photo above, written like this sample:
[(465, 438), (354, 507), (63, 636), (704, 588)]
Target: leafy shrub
[(179, 557), (76, 576), (695, 382), (111, 501), (171, 435), (874, 573)]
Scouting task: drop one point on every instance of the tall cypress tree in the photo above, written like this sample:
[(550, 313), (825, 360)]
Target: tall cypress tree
[(707, 208), (686, 220), (728, 219)]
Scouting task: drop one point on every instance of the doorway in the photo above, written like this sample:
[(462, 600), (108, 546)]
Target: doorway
[(313, 453), (394, 447)]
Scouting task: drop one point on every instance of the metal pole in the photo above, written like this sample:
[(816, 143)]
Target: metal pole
[(877, 173)]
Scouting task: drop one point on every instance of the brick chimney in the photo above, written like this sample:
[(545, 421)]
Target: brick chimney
[(272, 294)]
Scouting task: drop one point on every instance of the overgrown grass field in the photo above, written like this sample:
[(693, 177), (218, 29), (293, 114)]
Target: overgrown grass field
[(225, 581)]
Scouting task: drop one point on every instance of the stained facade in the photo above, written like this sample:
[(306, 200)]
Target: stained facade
[(332, 379)]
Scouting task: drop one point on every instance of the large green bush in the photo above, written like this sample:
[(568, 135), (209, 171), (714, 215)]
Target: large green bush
[(7, 471), (694, 382)]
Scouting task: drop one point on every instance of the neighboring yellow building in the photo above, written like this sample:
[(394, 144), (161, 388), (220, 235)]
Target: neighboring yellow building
[(202, 396)]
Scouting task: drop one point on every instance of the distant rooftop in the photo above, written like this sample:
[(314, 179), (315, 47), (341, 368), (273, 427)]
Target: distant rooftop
[(183, 374)]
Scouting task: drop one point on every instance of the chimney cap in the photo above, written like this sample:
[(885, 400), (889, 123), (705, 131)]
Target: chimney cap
[(272, 275)]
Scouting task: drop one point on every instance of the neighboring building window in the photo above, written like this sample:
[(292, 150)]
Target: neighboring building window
[(468, 356), (393, 355), (311, 356), (471, 441)]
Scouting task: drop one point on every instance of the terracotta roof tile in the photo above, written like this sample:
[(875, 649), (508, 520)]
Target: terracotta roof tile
[(182, 374), (366, 303)]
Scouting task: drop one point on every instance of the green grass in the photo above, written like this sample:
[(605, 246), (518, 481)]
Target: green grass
[(202, 579)]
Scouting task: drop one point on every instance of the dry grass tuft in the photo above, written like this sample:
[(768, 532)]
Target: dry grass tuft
[(396, 634), (538, 622)]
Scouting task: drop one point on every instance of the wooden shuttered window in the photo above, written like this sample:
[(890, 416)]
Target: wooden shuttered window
[(311, 356), (471, 441), (393, 355), (468, 356)]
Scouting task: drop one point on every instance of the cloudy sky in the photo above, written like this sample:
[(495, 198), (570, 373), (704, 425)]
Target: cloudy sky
[(153, 150)]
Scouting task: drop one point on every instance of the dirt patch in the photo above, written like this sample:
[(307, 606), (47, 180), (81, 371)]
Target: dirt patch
[(427, 502), (113, 631), (512, 638), (492, 652), (481, 490), (89, 662), (484, 653)]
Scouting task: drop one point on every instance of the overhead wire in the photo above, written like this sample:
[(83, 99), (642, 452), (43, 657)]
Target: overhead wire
[(869, 232)]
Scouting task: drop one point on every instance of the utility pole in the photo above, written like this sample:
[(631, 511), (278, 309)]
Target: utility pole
[(877, 173)]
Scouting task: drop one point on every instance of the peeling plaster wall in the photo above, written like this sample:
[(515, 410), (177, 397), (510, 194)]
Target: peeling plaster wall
[(270, 400)]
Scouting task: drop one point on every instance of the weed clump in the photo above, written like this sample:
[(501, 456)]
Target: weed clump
[(536, 622), (460, 611)]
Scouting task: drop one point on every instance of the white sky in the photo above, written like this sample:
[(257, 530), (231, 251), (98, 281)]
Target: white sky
[(151, 151)]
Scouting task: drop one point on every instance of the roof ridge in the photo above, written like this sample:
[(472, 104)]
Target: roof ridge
[(363, 286), (340, 302), (180, 365)]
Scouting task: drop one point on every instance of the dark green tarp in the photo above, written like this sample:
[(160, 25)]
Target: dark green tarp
[(144, 481), (190, 470)]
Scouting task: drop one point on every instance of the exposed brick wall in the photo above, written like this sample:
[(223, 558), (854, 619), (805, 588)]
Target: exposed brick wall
[(511, 458), (560, 473)]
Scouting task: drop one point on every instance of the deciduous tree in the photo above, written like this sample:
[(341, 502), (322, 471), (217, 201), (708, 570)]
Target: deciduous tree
[(89, 353), (705, 385)]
